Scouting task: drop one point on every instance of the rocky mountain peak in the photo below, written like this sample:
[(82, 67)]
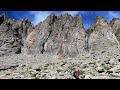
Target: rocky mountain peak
[(12, 34), (25, 22), (62, 35), (3, 17), (115, 24), (65, 14), (99, 24), (52, 14), (100, 21), (50, 19), (114, 21), (78, 20), (101, 35), (78, 16)]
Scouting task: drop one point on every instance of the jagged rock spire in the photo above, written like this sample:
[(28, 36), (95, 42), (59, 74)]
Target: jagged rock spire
[(115, 24), (12, 35), (99, 20), (114, 21), (98, 24), (100, 35), (63, 35), (58, 35), (5, 16)]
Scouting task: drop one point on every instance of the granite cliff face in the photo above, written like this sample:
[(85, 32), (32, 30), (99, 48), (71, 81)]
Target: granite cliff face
[(63, 36), (12, 34), (101, 36), (115, 24), (29, 52)]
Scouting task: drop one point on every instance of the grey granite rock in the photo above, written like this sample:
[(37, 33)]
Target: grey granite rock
[(61, 35), (12, 35)]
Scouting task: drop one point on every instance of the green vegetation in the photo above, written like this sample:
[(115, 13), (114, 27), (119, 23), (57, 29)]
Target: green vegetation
[(107, 67), (94, 63), (82, 72)]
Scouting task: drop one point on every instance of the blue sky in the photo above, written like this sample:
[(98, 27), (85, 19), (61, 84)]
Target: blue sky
[(88, 16)]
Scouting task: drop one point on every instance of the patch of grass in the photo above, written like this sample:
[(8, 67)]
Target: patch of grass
[(83, 76), (46, 65), (82, 72), (107, 67), (36, 78), (93, 74), (84, 66), (43, 76), (33, 75), (73, 68), (59, 70), (94, 63), (45, 68), (64, 62)]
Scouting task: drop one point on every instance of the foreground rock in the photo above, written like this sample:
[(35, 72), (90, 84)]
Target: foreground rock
[(47, 67)]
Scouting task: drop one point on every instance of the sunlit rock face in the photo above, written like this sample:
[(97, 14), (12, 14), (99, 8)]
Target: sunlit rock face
[(12, 35), (62, 35), (101, 35), (115, 24)]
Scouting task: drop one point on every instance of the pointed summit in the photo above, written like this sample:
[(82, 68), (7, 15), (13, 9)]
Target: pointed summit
[(52, 14), (115, 24), (99, 23), (114, 21), (66, 14), (78, 20), (50, 19), (4, 13), (5, 16), (99, 20), (78, 17), (100, 35), (99, 17), (26, 21)]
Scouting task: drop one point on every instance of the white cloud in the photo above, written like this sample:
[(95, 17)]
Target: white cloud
[(86, 26), (73, 13), (113, 14), (39, 16), (42, 15)]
